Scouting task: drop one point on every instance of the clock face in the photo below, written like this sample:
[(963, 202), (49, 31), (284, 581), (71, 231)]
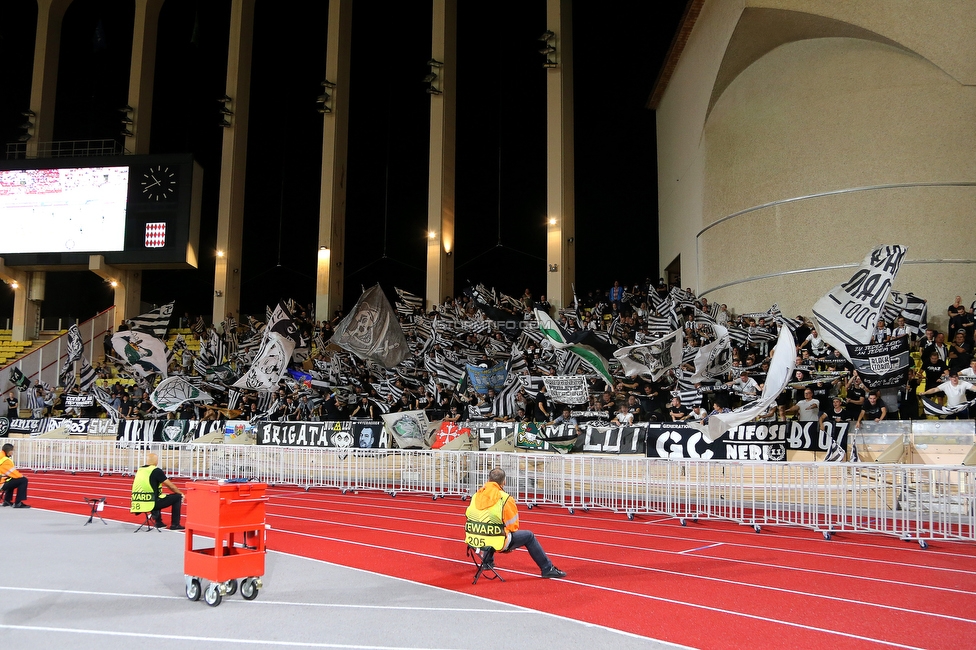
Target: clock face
[(158, 183)]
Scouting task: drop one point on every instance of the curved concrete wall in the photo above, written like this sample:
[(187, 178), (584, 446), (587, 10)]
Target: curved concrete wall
[(815, 152)]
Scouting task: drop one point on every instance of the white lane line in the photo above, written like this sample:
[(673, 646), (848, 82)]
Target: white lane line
[(208, 639), (732, 560), (712, 557), (265, 601), (694, 576), (367, 495), (660, 599), (700, 548)]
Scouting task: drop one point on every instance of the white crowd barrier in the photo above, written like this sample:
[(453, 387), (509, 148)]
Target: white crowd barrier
[(912, 502)]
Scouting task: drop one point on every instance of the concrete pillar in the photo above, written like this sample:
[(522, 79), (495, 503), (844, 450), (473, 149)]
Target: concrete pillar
[(126, 283), (332, 199), (28, 296), (560, 198), (142, 69), (44, 82), (233, 162), (440, 192)]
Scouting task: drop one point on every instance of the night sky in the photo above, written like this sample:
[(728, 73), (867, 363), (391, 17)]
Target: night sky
[(501, 167)]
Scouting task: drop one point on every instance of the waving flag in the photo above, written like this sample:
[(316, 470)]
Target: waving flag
[(780, 370), (561, 341), (173, 391), (371, 330), (143, 353), (655, 358), (154, 322), (848, 313)]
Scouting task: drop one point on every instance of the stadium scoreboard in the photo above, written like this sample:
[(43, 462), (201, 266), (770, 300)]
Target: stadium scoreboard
[(136, 211)]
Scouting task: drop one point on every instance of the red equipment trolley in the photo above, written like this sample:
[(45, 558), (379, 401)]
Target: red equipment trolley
[(232, 514)]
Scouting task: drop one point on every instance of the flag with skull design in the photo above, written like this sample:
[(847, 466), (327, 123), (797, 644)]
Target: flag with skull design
[(371, 330)]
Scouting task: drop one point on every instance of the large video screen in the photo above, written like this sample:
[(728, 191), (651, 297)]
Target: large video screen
[(67, 210)]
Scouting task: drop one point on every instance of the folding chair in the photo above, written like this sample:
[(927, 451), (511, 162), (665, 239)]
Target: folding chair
[(484, 561), (147, 523), (97, 505)]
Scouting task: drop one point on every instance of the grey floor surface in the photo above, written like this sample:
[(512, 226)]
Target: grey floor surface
[(102, 586)]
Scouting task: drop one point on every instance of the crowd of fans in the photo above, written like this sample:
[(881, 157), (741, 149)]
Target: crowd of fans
[(330, 384)]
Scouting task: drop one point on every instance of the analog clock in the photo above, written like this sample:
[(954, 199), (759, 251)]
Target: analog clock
[(158, 183)]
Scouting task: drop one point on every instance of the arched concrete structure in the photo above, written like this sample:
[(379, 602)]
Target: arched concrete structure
[(795, 135)]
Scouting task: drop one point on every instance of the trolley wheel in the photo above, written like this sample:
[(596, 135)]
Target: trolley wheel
[(231, 587), (212, 595), (308, 487), (393, 494), (343, 490), (529, 505), (433, 497), (757, 528), (682, 522), (630, 516), (923, 544), (695, 520), (586, 509), (572, 511), (827, 535), (193, 590), (249, 589)]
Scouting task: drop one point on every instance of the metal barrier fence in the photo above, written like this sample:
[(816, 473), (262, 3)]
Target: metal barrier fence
[(911, 502)]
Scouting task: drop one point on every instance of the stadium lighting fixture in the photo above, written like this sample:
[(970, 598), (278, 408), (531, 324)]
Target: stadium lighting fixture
[(324, 107), (431, 235), (552, 221), (28, 113), (14, 285), (220, 253), (548, 49), (126, 109), (434, 91), (430, 78), (114, 284), (547, 36), (434, 63)]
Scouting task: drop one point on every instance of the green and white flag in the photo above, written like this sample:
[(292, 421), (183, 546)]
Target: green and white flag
[(561, 341), (173, 391)]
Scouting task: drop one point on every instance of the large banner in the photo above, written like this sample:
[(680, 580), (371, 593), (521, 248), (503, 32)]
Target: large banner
[(357, 434), (882, 365), (481, 379), (766, 441), (569, 389)]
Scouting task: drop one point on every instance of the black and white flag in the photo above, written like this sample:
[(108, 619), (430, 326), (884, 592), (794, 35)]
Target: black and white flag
[(155, 322), (371, 330), (714, 360), (931, 408), (882, 365), (654, 358), (847, 315), (913, 308), (270, 364), (76, 348)]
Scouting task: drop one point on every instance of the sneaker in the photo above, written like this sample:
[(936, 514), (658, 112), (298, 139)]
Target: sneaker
[(553, 572), (177, 527), (6, 504), (159, 524), (21, 504)]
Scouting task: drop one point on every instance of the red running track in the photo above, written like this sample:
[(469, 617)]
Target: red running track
[(708, 585)]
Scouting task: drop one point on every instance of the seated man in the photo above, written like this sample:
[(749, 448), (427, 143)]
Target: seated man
[(12, 480), (493, 521), (147, 495)]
